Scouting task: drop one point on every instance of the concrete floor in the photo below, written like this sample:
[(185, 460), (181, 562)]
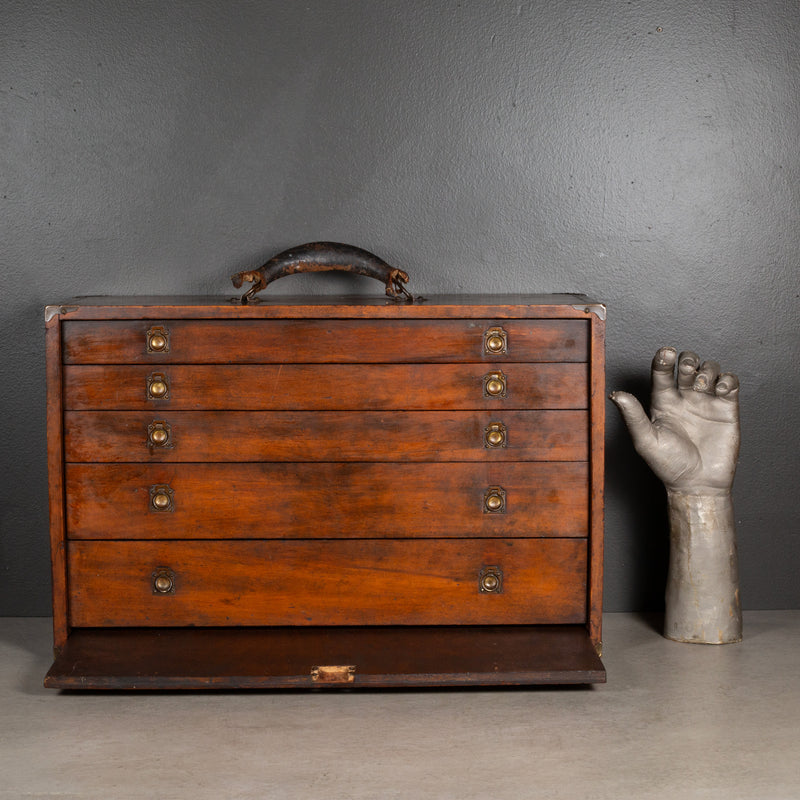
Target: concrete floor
[(674, 721)]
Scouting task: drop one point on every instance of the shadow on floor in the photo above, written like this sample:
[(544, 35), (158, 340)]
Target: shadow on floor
[(32, 636), (653, 619)]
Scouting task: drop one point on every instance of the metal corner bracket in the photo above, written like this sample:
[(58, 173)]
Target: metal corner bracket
[(54, 311), (592, 308)]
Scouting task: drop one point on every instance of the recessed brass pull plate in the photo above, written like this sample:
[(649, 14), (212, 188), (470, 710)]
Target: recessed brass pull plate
[(157, 386), (163, 581), (157, 339), (490, 580), (495, 342), (494, 500), (162, 498), (333, 674), (159, 435), (495, 384), (495, 435)]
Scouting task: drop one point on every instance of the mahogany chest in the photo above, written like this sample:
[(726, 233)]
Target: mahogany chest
[(329, 491)]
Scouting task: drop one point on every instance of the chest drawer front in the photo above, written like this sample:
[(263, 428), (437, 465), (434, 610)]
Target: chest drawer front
[(338, 500), (313, 387), (322, 341), (225, 436), (378, 582)]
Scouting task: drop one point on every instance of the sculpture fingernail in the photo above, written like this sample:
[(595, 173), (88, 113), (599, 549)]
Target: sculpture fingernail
[(688, 365)]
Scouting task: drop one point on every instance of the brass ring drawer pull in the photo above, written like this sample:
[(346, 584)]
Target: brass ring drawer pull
[(495, 342), (490, 580), (163, 581), (159, 434), (494, 500), (495, 384), (162, 498), (157, 339), (495, 435), (157, 386)]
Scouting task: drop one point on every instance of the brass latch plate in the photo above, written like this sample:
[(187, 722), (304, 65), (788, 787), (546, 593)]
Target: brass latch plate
[(333, 674)]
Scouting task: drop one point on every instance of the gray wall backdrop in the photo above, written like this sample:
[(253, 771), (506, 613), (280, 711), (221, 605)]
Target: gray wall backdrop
[(643, 152)]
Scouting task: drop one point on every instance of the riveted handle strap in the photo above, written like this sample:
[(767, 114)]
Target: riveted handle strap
[(324, 257)]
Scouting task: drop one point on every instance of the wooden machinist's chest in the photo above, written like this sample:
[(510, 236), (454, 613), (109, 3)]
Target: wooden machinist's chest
[(329, 491)]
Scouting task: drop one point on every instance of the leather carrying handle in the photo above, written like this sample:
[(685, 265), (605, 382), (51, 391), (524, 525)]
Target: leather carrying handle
[(324, 257)]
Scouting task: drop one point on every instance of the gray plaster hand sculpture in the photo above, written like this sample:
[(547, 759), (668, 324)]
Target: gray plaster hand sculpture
[(691, 442)]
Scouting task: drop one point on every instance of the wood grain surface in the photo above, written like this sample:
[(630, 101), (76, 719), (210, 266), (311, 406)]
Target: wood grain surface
[(211, 436), (328, 500), (320, 387), (323, 341), (270, 658), (343, 582)]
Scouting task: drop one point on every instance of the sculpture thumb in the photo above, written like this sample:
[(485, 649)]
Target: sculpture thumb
[(636, 419)]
